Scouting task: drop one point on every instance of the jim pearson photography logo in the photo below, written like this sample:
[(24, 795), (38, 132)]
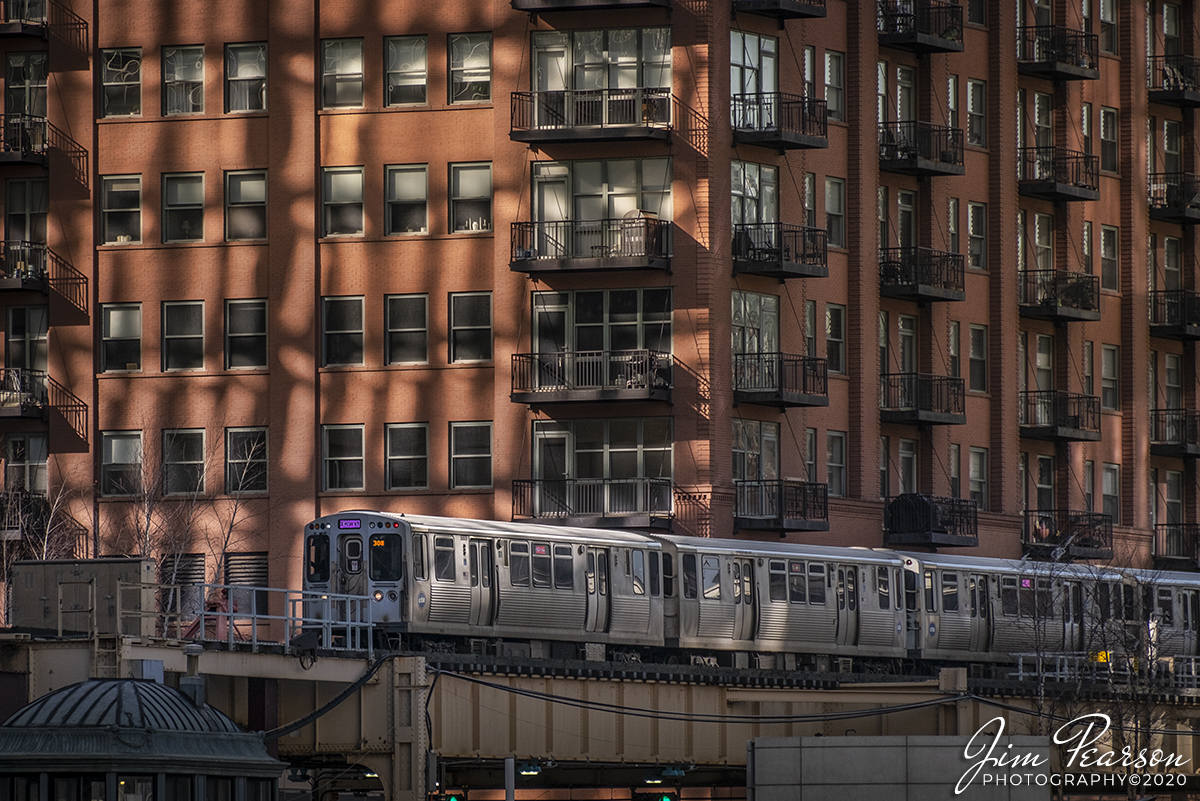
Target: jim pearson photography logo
[(993, 765)]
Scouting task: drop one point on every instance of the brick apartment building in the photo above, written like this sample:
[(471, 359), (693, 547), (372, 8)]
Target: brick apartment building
[(265, 261)]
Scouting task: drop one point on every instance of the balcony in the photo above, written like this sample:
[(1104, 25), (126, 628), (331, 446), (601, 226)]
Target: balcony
[(591, 115), (23, 393), (779, 120), (542, 6), (1058, 295), (780, 250), (922, 399), (913, 519), (24, 515), (921, 274), (1059, 533), (1175, 546), (23, 18), (595, 502), (781, 380), (1175, 432), (575, 246), (920, 148), (1059, 416), (1175, 197), (1174, 80), (1057, 174), (781, 9), (920, 26), (23, 266), (1057, 53), (25, 139), (780, 505), (588, 376), (1175, 314)]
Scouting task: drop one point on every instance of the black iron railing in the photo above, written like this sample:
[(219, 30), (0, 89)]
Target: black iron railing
[(1180, 427), (1059, 288), (1064, 528), (591, 370), (779, 243), (25, 134), (593, 497), (1176, 540), (912, 140), (574, 109), (1059, 165), (1054, 44), (781, 499), (30, 12), (1174, 190), (1052, 407), (780, 372), (922, 392), (916, 267), (1175, 73), (779, 111), (583, 239), (22, 391), (930, 17), (1175, 307), (24, 515), (22, 260), (912, 513)]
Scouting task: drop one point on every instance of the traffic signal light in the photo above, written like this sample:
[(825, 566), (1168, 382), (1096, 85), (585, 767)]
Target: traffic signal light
[(656, 795), (454, 795)]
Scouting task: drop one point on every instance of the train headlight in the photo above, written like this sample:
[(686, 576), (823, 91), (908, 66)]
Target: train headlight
[(378, 595), (392, 595)]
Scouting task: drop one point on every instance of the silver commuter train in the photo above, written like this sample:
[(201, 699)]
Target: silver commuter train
[(538, 590)]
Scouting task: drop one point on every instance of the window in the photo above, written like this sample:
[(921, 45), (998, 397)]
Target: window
[(810, 199), (885, 467), (121, 212), (183, 80), (183, 208), (952, 100), (620, 321), (952, 224), (1043, 242), (25, 463), (835, 337), (816, 583), (1108, 140), (470, 67), (908, 466), (1109, 396), (408, 456), (835, 82), (1089, 387), (835, 212), (407, 329), (952, 346), (25, 84), (245, 334), (342, 73), (342, 450), (810, 71), (1109, 278), (407, 65), (407, 199), (754, 66), (710, 577), (1108, 26), (1085, 128), (1111, 495), (246, 77), (978, 477), (949, 592), (564, 570), (755, 450), (810, 328), (470, 455), (343, 201), (978, 358), (121, 334), (471, 327), (183, 461), (183, 336), (835, 462), (245, 205), (121, 462), (443, 561), (598, 449), (977, 12), (755, 190), (955, 476), (245, 460), (1085, 248), (471, 197), (247, 571), (121, 76), (1089, 486), (755, 325), (976, 113), (977, 236), (342, 331)]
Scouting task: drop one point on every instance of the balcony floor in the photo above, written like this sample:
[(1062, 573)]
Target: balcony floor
[(1176, 450), (940, 538), (780, 9), (921, 292), (921, 167), (1058, 433), (589, 265), (779, 139), (1057, 71), (779, 269), (918, 42), (22, 284), (783, 399), (37, 30), (19, 157), (615, 133), (1182, 332), (1057, 192), (1180, 215), (782, 525), (591, 395), (1181, 98), (920, 417), (1073, 551), (1057, 314), (582, 5), (634, 521)]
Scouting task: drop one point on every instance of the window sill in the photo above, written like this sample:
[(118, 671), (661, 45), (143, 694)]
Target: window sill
[(119, 373)]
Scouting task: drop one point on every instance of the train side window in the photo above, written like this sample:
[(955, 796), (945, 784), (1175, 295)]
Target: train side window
[(564, 568), (443, 558), (639, 572), (541, 564), (485, 564), (747, 584), (949, 592), (885, 595), (518, 563), (385, 554), (982, 595), (1045, 599), (318, 558), (654, 574), (1130, 605), (1077, 603), (796, 590), (602, 574), (910, 591), (418, 546), (1028, 601), (668, 575), (1195, 611), (930, 592), (972, 598), (710, 573), (1103, 601), (1166, 606), (1008, 595), (687, 564), (816, 583), (852, 587), (737, 582)]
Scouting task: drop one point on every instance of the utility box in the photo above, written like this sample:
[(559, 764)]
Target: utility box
[(79, 596)]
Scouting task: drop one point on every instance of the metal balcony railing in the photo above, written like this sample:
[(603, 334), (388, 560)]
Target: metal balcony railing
[(25, 135), (23, 261), (1176, 541), (1059, 289), (23, 514), (912, 141), (781, 500), (922, 392), (1176, 427), (1057, 48), (1058, 165), (587, 111), (782, 373), (28, 12), (639, 237), (1055, 408), (1175, 307), (1174, 73), (1068, 532), (590, 370), (927, 17), (913, 517), (779, 111), (1174, 193), (771, 244), (22, 392), (650, 499), (912, 268)]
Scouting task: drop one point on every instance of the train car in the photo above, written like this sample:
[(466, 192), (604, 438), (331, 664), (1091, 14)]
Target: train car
[(1170, 611)]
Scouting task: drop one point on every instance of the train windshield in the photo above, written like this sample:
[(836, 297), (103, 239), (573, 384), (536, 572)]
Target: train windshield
[(386, 550), (317, 560)]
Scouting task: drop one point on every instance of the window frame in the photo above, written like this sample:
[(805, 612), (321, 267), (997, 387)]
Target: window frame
[(977, 358), (977, 236), (168, 338), (457, 169), (391, 74), (1110, 503), (1110, 154), (107, 209), (329, 206), (836, 489), (457, 71), (105, 338), (391, 330), (107, 487), (172, 87), (835, 338), (233, 80), (327, 334), (327, 460), (391, 456), (455, 329), (231, 479), (1110, 250), (258, 206), (183, 464), (456, 457), (1110, 378), (186, 210), (835, 85), (231, 335), (128, 55), (977, 477), (331, 79), (392, 203), (837, 216), (976, 133)]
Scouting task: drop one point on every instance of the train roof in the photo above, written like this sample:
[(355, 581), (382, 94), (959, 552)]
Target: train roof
[(460, 525), (994, 565), (780, 549)]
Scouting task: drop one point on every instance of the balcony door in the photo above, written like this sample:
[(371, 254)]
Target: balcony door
[(551, 74), (25, 463), (906, 94), (26, 207), (552, 210), (550, 469), (25, 84), (550, 340), (25, 341), (906, 220)]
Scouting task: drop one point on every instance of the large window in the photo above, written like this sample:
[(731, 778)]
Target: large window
[(25, 463), (120, 462), (245, 460), (835, 85), (755, 191), (183, 461), (835, 212), (183, 336), (1111, 496), (1109, 274), (835, 337), (470, 455), (470, 197), (408, 199), (343, 201), (342, 73), (121, 209), (470, 67), (1109, 375), (407, 329), (407, 70), (246, 77), (977, 236), (245, 334), (471, 327), (121, 78), (1109, 160), (121, 337), (183, 80), (594, 450), (755, 450), (246, 205), (835, 462), (342, 455), (183, 208), (976, 113), (979, 477), (1108, 26), (754, 64), (594, 321), (755, 322), (342, 331), (978, 358), (408, 456)]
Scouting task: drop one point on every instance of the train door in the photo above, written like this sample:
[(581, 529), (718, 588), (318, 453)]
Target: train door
[(743, 599), (847, 604), (352, 580), (480, 564), (1072, 594), (596, 576), (977, 590), (1189, 604), (912, 611)]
